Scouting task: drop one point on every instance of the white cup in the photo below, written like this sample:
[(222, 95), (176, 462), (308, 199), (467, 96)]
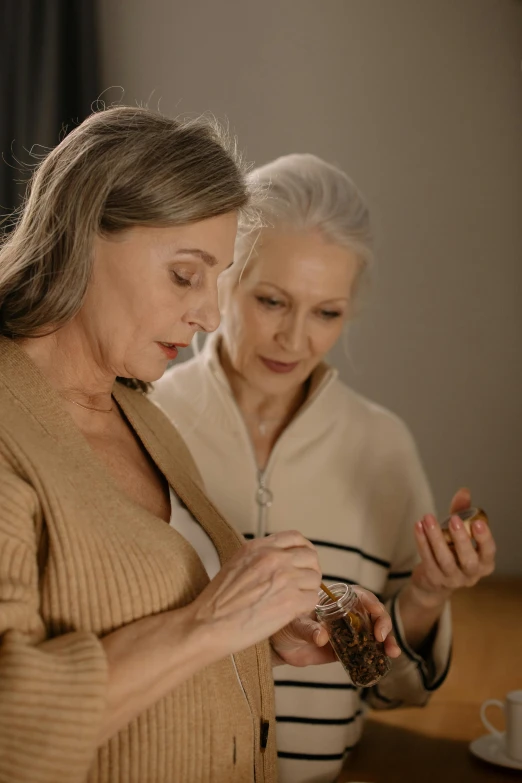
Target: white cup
[(512, 709)]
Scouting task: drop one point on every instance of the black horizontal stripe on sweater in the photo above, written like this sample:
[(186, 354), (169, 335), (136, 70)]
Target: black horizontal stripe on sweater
[(342, 547), (331, 577), (283, 754), (318, 721), (355, 550), (344, 686)]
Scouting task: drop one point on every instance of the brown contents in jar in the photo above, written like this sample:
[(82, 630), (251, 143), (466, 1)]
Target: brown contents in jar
[(358, 650)]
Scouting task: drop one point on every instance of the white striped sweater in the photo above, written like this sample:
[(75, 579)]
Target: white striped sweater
[(346, 473)]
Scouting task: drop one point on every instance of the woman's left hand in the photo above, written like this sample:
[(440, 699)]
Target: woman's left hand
[(440, 572), (304, 642)]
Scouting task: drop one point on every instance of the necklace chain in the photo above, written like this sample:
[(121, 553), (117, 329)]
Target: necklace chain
[(88, 407), (263, 425)]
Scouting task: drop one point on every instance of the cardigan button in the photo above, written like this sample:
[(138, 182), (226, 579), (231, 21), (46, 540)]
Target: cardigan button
[(263, 739)]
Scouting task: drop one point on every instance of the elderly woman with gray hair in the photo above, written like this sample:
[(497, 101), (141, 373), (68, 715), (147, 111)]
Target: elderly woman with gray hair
[(281, 441)]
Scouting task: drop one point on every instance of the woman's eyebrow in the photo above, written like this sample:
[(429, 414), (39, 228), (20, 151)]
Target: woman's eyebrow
[(338, 299), (208, 258), (274, 285)]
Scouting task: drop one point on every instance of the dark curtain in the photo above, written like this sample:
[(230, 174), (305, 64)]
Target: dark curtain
[(48, 81)]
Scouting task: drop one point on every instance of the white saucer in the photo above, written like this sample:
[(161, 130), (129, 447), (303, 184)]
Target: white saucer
[(491, 748)]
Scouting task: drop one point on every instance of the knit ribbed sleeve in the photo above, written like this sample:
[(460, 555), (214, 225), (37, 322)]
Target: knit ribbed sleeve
[(52, 692)]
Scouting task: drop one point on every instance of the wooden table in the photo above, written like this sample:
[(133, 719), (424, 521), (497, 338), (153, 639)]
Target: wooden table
[(431, 744)]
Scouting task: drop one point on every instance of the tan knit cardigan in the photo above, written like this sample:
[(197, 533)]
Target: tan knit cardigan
[(79, 559)]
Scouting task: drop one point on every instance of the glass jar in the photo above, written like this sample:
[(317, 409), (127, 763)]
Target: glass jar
[(350, 631), (468, 516)]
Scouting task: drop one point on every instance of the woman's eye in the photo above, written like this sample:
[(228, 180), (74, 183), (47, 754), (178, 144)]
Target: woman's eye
[(268, 301), (329, 315), (180, 280)]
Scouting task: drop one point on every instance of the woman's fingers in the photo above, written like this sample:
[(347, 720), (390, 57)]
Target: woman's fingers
[(283, 556), (288, 539), (301, 557), (371, 603), (306, 629), (269, 567), (320, 636), (287, 556), (460, 565), (486, 546), (298, 566), (382, 624), (431, 568), (391, 648), (467, 556), (303, 642), (441, 551)]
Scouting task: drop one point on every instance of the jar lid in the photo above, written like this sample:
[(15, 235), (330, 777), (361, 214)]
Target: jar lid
[(345, 597)]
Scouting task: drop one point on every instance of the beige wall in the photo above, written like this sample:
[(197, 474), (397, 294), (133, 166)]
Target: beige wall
[(420, 101)]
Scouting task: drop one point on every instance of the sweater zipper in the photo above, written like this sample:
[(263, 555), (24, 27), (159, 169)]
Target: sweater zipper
[(264, 495), (264, 499)]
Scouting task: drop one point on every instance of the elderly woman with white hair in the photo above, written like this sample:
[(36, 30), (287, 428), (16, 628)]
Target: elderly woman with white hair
[(281, 442)]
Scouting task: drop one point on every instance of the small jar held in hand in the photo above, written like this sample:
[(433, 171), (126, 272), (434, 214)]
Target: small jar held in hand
[(350, 631), (468, 516)]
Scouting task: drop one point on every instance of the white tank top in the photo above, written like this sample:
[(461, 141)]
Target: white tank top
[(182, 520)]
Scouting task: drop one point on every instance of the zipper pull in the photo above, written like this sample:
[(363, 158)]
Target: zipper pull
[(264, 497), (264, 500)]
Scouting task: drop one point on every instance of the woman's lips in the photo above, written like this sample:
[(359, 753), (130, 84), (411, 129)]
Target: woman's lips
[(279, 367), (171, 350)]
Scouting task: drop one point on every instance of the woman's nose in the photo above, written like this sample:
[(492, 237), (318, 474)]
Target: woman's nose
[(206, 317), (293, 333)]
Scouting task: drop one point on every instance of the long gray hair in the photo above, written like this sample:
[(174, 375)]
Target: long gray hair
[(122, 167)]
